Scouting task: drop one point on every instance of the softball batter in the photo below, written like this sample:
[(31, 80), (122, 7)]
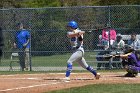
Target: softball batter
[(76, 41)]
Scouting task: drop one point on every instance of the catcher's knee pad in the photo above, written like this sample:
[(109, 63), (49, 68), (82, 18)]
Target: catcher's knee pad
[(132, 69)]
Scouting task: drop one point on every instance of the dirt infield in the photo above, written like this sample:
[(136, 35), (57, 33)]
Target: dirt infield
[(38, 83)]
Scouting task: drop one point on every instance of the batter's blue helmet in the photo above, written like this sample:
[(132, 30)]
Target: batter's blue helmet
[(73, 24)]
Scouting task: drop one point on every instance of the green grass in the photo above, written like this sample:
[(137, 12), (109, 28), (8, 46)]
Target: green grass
[(40, 72), (103, 88), (54, 60), (20, 72), (29, 72)]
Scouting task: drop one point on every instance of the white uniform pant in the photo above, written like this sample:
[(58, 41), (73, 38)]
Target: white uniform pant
[(77, 56)]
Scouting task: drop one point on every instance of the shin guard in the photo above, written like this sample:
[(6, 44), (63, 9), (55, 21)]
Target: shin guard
[(69, 69)]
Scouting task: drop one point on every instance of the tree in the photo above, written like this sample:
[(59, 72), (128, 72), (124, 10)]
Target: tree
[(63, 3), (10, 3), (118, 2), (41, 3)]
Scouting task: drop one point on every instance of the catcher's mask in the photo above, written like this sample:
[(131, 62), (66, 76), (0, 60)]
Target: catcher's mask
[(128, 49)]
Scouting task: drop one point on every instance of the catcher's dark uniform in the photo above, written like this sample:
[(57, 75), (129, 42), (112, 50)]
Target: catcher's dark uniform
[(1, 41), (132, 64)]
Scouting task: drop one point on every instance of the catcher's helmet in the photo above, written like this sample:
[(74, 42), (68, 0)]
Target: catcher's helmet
[(73, 24), (128, 49)]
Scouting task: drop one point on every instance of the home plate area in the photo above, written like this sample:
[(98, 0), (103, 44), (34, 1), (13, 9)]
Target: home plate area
[(38, 83)]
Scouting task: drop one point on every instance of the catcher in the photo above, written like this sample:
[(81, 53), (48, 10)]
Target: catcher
[(131, 62)]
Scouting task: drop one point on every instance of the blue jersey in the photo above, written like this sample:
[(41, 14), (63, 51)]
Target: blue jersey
[(21, 38)]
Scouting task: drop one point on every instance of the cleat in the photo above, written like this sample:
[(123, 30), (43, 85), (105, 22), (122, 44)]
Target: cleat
[(97, 76), (66, 79), (130, 75)]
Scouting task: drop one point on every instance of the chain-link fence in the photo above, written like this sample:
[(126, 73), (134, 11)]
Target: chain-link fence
[(50, 48)]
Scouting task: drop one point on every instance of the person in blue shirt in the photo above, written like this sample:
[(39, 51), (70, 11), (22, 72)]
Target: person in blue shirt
[(134, 42), (22, 43)]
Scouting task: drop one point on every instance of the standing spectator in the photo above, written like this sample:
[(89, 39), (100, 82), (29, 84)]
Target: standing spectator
[(1, 42), (22, 40), (134, 42), (108, 34)]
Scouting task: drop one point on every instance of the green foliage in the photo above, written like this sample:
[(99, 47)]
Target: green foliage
[(118, 2), (123, 19), (10, 3), (41, 3), (61, 3), (103, 88)]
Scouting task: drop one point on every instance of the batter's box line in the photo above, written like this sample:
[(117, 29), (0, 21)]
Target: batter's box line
[(70, 79)]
